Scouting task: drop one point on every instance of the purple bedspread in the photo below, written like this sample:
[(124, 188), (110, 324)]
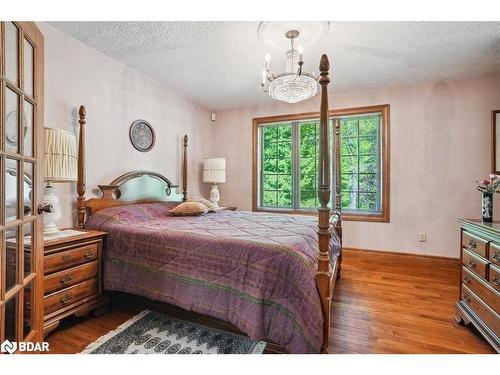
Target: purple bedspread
[(254, 270)]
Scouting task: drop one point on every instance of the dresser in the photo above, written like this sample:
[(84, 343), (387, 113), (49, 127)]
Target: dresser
[(72, 276), (479, 302)]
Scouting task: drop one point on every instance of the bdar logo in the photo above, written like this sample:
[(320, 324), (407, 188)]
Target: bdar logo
[(8, 347)]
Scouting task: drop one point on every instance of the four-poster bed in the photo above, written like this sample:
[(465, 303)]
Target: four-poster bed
[(116, 208)]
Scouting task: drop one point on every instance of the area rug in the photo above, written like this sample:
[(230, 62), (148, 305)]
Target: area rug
[(154, 333)]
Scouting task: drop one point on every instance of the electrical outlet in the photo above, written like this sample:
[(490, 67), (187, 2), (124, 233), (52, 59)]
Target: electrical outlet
[(422, 237)]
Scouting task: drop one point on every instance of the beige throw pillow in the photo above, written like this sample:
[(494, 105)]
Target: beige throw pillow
[(189, 209), (206, 202)]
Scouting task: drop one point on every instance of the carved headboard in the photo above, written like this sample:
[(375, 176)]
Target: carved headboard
[(130, 188)]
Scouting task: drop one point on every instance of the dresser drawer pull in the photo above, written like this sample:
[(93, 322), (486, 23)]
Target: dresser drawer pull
[(472, 264), (467, 280), (66, 258), (472, 244), (496, 257), (89, 254), (466, 298), (495, 280), (66, 279), (66, 299)]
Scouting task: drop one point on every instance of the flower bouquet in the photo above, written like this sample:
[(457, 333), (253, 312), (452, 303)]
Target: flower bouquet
[(487, 187)]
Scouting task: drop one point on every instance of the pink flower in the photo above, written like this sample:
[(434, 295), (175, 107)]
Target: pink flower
[(485, 182), (493, 176)]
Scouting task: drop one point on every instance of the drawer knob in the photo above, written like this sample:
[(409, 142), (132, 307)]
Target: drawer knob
[(66, 258), (89, 254), (495, 280), (66, 279), (496, 257), (466, 298), (467, 280), (472, 264), (66, 299), (472, 244)]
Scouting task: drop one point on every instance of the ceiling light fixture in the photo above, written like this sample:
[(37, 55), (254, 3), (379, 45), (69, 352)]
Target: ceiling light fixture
[(293, 85)]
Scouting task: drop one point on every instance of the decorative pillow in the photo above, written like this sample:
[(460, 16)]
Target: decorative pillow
[(206, 202), (189, 209)]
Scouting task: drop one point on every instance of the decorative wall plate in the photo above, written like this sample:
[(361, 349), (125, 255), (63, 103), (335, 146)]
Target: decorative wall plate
[(142, 135)]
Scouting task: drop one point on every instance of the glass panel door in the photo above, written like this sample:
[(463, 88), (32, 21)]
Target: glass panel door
[(21, 163)]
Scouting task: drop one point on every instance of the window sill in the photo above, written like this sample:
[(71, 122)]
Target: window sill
[(347, 216)]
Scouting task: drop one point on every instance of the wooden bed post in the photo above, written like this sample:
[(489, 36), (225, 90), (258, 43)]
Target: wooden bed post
[(184, 169), (338, 193), (323, 274), (80, 185)]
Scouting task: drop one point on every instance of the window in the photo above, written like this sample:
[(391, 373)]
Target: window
[(286, 162)]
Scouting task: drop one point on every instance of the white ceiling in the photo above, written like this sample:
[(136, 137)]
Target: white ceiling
[(219, 64)]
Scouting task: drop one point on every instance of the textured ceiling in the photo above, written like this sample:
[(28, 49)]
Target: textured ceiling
[(219, 64)]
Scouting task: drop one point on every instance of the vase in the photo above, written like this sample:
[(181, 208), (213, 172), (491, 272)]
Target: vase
[(487, 207)]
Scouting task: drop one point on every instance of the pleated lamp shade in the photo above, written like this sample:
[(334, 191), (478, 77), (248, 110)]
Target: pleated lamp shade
[(60, 155), (214, 170)]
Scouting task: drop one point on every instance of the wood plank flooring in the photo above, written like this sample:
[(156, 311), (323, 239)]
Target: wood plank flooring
[(384, 303)]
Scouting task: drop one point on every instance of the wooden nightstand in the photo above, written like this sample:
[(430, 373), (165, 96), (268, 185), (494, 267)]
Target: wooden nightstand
[(227, 208), (72, 276)]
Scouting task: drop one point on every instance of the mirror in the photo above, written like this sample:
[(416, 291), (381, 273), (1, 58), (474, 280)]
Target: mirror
[(495, 130)]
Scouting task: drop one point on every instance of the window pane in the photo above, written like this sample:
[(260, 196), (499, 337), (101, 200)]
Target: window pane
[(285, 166), (368, 164), (348, 146), (349, 182), (11, 190), (28, 68), (11, 52), (349, 164), (285, 133), (367, 146), (270, 165), (270, 198), (348, 128), (368, 183), (367, 201), (28, 128), (28, 256), (285, 198), (368, 127), (308, 199), (11, 260), (11, 121), (284, 150), (349, 200), (308, 130), (308, 149), (270, 150), (28, 193), (10, 319), (270, 182), (28, 309)]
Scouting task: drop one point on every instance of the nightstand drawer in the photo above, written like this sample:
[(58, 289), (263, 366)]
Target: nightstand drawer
[(491, 318), (481, 289), (70, 258), (494, 278), (66, 297), (475, 263), (72, 276), (475, 244), (495, 254)]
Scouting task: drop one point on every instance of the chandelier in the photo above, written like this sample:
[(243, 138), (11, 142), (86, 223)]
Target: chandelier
[(293, 85)]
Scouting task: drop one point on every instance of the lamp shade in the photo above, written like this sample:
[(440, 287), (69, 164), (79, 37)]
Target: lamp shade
[(214, 170), (60, 155)]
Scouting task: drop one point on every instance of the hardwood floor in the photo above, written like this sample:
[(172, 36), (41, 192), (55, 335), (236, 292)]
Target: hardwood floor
[(384, 303)]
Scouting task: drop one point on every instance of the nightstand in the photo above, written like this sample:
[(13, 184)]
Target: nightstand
[(227, 208), (72, 276)]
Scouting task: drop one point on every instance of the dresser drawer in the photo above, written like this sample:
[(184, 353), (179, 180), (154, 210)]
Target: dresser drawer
[(70, 258), (494, 277), (486, 314), (475, 263), (481, 289), (475, 244), (71, 276), (495, 254), (66, 297)]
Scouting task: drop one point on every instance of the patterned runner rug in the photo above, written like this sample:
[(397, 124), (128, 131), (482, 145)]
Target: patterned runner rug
[(154, 333)]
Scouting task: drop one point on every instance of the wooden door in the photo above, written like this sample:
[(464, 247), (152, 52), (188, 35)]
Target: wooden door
[(21, 179)]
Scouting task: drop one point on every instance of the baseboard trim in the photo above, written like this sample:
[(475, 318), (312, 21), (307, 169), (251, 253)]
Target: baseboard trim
[(450, 260)]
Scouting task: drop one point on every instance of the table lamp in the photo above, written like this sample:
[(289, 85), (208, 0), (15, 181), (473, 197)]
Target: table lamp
[(60, 166), (214, 171)]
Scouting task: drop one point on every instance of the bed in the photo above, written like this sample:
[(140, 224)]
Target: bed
[(270, 275)]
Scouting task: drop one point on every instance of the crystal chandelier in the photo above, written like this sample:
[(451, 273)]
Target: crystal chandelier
[(293, 85)]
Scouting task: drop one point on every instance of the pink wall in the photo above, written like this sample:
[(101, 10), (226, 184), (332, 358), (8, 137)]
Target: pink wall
[(116, 95), (440, 144)]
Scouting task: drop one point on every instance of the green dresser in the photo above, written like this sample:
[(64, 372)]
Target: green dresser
[(479, 302)]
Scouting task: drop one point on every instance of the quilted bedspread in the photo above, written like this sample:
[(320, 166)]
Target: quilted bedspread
[(254, 270)]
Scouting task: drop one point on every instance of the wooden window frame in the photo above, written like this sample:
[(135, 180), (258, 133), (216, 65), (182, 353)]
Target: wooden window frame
[(383, 109)]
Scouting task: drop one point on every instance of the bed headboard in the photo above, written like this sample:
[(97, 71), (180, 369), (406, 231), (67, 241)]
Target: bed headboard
[(130, 188)]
